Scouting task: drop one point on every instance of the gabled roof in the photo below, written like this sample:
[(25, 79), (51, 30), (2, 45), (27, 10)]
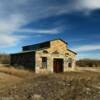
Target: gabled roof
[(39, 45)]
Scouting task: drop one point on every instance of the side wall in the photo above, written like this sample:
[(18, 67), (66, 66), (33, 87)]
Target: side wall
[(25, 60), (72, 56)]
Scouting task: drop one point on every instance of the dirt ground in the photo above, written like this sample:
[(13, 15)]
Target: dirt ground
[(64, 86)]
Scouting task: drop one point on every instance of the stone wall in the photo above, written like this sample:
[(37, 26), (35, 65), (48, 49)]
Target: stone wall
[(58, 50), (50, 58)]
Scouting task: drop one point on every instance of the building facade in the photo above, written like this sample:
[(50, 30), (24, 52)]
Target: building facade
[(49, 56)]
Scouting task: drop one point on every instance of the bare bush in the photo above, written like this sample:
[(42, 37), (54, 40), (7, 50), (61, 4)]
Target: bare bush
[(16, 72), (4, 59), (88, 63)]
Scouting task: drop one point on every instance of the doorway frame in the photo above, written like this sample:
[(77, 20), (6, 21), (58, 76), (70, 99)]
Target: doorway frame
[(58, 69)]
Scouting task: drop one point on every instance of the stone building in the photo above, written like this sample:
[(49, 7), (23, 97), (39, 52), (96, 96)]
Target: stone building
[(49, 56)]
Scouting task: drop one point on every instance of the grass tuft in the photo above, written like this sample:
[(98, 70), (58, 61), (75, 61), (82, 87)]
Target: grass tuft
[(15, 71)]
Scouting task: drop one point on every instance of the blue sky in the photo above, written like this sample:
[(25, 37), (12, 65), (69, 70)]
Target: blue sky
[(24, 22)]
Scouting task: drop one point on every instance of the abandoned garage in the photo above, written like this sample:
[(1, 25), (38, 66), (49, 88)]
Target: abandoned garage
[(49, 56)]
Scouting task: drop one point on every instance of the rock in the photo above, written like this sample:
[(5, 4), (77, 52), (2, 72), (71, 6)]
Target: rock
[(37, 97)]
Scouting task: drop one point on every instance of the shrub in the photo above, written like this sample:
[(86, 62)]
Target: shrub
[(4, 59), (88, 63)]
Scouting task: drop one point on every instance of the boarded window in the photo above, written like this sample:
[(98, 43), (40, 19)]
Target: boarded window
[(44, 62)]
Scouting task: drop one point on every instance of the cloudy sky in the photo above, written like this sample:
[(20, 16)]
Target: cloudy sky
[(24, 22)]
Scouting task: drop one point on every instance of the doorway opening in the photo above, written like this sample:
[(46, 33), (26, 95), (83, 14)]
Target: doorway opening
[(58, 65)]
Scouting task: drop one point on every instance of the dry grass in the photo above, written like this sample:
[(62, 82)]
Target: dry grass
[(91, 69), (81, 85), (15, 72), (63, 86), (7, 80), (10, 76)]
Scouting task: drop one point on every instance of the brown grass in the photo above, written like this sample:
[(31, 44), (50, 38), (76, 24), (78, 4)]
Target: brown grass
[(15, 72), (62, 86), (81, 85)]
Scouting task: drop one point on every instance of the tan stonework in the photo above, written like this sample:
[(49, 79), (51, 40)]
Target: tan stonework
[(58, 49)]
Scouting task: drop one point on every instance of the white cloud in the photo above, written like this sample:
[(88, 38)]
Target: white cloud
[(9, 40), (40, 31), (7, 27), (55, 30), (84, 6), (15, 13), (86, 48), (89, 4)]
